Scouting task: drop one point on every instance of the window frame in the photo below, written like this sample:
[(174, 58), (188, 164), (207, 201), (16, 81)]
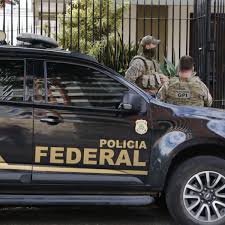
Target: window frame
[(26, 74), (97, 67), (107, 73), (24, 78)]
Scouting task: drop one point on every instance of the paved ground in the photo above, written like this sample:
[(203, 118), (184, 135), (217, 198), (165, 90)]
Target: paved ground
[(85, 216)]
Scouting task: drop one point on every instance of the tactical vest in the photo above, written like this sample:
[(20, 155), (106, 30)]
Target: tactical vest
[(185, 92), (150, 78)]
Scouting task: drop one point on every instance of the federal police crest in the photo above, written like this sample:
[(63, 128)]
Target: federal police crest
[(141, 127)]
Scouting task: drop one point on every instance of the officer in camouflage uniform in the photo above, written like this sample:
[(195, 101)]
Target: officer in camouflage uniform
[(143, 69), (187, 89)]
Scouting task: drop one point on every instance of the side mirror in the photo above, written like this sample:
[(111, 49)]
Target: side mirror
[(126, 107), (133, 103)]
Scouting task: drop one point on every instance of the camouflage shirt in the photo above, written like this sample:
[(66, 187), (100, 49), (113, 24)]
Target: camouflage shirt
[(145, 73), (191, 92)]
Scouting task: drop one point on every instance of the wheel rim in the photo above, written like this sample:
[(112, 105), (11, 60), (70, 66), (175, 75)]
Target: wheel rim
[(204, 196)]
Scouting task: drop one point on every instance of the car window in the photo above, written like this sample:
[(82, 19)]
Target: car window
[(82, 86), (12, 80), (35, 82)]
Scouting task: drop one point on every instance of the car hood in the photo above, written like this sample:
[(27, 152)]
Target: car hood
[(215, 118), (207, 113), (193, 111)]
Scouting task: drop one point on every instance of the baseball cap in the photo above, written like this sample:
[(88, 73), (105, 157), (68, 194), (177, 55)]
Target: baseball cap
[(149, 40)]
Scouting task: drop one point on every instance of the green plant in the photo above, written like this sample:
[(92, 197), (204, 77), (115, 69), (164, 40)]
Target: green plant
[(3, 2), (118, 57), (168, 68), (91, 25), (91, 40)]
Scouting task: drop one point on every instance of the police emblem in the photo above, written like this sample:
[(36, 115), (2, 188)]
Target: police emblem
[(141, 126)]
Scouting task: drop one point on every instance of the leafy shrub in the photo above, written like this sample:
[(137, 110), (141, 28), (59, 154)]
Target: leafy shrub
[(92, 41), (168, 68)]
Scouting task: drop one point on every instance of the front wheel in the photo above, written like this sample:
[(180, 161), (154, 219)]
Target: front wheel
[(195, 193)]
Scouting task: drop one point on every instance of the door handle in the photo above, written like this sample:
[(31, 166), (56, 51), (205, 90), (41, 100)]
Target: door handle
[(52, 120)]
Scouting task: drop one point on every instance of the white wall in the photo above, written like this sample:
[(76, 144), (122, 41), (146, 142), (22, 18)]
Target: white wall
[(179, 34), (162, 2), (132, 32), (170, 36), (14, 29)]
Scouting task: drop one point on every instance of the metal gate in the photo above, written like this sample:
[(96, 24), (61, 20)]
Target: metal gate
[(217, 72), (209, 46), (111, 30)]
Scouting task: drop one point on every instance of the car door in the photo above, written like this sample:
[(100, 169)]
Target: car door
[(16, 124), (80, 134)]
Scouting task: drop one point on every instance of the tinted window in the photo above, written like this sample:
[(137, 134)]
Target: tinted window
[(11, 80), (81, 86), (35, 83)]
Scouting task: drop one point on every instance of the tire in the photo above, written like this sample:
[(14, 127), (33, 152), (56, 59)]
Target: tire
[(195, 193), (161, 201)]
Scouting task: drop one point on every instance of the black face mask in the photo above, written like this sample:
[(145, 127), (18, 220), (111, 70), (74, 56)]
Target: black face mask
[(149, 53)]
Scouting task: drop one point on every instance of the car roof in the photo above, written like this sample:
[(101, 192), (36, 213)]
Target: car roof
[(45, 52), (55, 53)]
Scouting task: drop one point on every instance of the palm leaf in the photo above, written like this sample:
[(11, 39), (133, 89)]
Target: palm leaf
[(168, 68)]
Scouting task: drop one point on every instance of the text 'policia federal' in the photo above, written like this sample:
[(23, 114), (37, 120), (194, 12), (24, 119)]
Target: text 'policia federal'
[(110, 152)]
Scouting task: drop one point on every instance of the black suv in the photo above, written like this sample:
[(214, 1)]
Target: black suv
[(73, 131)]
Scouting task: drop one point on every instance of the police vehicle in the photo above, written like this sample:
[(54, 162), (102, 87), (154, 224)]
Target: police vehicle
[(74, 132)]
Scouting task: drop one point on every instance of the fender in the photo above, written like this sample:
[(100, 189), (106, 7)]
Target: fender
[(171, 145)]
